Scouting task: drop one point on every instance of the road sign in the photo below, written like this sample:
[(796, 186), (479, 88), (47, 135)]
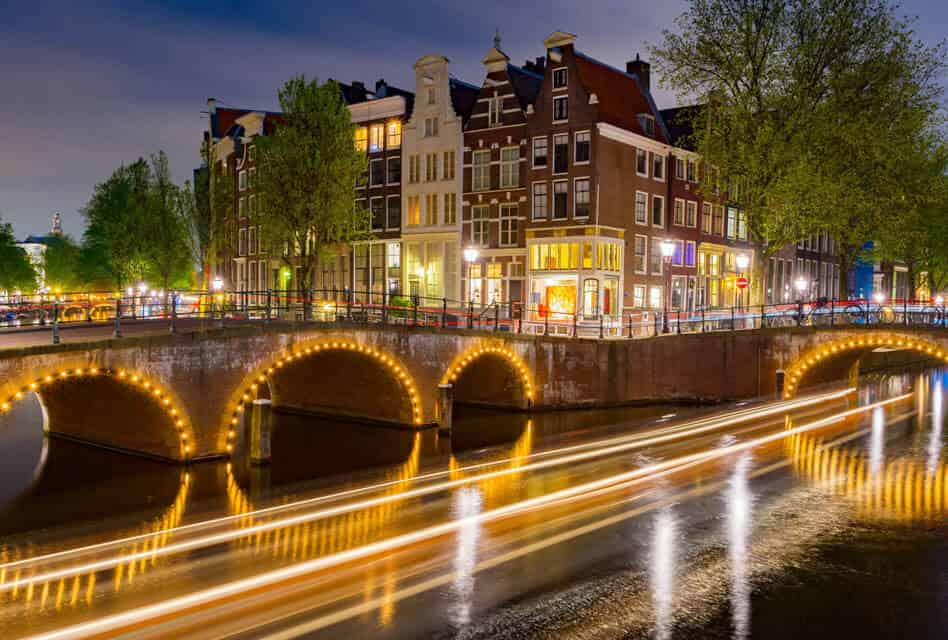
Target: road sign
[(742, 283)]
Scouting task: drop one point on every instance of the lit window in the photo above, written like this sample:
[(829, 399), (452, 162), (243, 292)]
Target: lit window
[(414, 211), (414, 168), (394, 134), (376, 138), (361, 138), (431, 209)]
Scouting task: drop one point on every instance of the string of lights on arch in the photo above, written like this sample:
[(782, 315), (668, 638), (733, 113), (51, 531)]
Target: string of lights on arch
[(814, 356), (150, 389), (456, 369), (249, 393)]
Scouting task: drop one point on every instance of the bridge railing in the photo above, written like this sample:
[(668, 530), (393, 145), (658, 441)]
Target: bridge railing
[(216, 308)]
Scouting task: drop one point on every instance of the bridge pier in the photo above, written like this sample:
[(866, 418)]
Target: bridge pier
[(444, 411), (260, 431)]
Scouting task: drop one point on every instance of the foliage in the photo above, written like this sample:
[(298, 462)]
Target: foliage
[(61, 270), (306, 172), (818, 110), (16, 272), (166, 226)]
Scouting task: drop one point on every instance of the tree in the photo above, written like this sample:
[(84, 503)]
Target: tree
[(16, 271), (61, 268), (804, 97), (166, 226), (306, 171), (114, 242)]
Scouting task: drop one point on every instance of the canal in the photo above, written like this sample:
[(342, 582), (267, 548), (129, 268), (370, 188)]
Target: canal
[(779, 542)]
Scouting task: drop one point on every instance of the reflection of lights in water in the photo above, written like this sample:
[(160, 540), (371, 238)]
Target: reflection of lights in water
[(663, 572), (739, 506), (938, 417), (877, 441), (467, 502)]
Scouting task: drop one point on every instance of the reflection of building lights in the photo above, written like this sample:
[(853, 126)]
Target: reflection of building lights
[(739, 506), (663, 572)]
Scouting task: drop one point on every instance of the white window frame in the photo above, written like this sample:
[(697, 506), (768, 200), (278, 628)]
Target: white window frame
[(515, 218), (635, 208), (565, 85), (545, 201), (242, 180), (376, 162), (553, 158), (372, 217), (588, 180), (557, 99), (495, 111), (651, 212), (512, 165), (638, 153), (675, 222), (533, 152), (644, 269), (388, 171), (659, 159), (576, 135), (485, 229), (553, 210), (480, 153), (691, 205)]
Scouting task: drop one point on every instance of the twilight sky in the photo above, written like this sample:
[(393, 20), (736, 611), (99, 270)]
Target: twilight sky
[(86, 86)]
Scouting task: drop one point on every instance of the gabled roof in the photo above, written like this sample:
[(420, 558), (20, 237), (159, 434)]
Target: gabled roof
[(224, 120), (621, 96), (680, 123), (526, 84), (463, 97)]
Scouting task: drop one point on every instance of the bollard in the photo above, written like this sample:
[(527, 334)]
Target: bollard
[(497, 316), (269, 305), (445, 408), (174, 313), (260, 432), (470, 314), (601, 328), (117, 331), (55, 323), (781, 376), (444, 312)]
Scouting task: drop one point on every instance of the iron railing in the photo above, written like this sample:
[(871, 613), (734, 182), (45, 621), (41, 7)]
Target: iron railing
[(40, 313)]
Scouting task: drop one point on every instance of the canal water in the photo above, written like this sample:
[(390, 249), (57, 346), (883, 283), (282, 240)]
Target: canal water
[(775, 559)]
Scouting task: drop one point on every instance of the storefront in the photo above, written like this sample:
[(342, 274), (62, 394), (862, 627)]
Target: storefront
[(574, 277), (716, 285), (431, 267), (376, 268)]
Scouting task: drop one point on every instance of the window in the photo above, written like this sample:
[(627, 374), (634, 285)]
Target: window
[(432, 95), (678, 217), (447, 171), (561, 153), (706, 217), (252, 241), (641, 162), (376, 175), (431, 127), (581, 198), (641, 208), (539, 200), (481, 176), (539, 152), (647, 122), (655, 297), (691, 214), (719, 220), (495, 111), (690, 253), (394, 212), (394, 139), (242, 242), (741, 224), (678, 255), (641, 252), (479, 225), (731, 223), (252, 205), (658, 211), (242, 181), (692, 171), (558, 256), (394, 170), (252, 153), (431, 209), (559, 78), (658, 167), (638, 296), (581, 143), (414, 211), (251, 178), (414, 168), (608, 256), (509, 225), (560, 109), (376, 138), (509, 167), (377, 207), (450, 208), (431, 167), (590, 297), (241, 207), (680, 168), (361, 138), (560, 199), (655, 257)]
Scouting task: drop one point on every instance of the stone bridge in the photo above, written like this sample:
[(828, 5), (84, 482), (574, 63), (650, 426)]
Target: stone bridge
[(184, 397)]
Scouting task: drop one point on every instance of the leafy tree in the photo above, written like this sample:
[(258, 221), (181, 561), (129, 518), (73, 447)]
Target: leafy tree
[(166, 226), (805, 97), (61, 268), (114, 242), (306, 171), (16, 271)]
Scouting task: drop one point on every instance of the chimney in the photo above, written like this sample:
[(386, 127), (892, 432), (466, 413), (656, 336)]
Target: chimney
[(381, 88), (358, 92), (212, 106), (537, 66), (641, 69)]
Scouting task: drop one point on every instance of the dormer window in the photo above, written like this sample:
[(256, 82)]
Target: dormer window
[(647, 122), (559, 78), (495, 112)]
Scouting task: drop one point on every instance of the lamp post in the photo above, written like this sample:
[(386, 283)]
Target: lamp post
[(940, 302), (801, 286), (470, 257), (668, 250), (742, 261), (142, 290), (217, 285)]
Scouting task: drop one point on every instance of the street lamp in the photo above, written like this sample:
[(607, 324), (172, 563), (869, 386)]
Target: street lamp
[(668, 250), (470, 257), (217, 284), (879, 297), (801, 284), (742, 261)]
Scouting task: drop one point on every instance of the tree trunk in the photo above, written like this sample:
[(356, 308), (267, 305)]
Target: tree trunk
[(845, 263)]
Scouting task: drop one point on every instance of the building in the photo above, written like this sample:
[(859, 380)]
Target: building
[(432, 189), (35, 249), (496, 197)]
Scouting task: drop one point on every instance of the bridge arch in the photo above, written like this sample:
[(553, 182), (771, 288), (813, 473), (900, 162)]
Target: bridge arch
[(371, 385), (490, 375), (77, 401), (848, 350)]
